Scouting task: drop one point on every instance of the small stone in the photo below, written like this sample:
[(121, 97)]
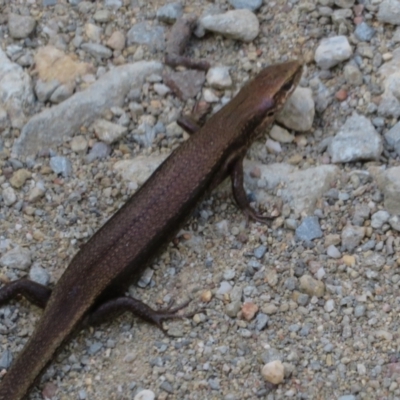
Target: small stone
[(97, 50), (116, 41), (9, 196), (235, 24), (206, 296), (352, 236), (219, 78), (269, 309), (260, 251), (333, 252), (273, 372), (19, 258), (169, 13), (329, 305), (350, 261), (249, 310), (311, 286), (61, 165), (79, 144), (145, 395), (332, 51), (20, 26), (309, 229), (19, 178), (39, 275), (233, 308), (281, 135), (251, 5), (379, 218), (102, 16), (107, 131)]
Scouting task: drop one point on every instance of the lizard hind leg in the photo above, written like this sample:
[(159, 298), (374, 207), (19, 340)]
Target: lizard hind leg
[(117, 306), (34, 292)]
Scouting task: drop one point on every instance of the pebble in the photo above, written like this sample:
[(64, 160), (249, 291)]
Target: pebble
[(97, 50), (116, 41), (356, 140), (219, 78), (309, 229), (107, 131), (9, 196), (169, 13), (61, 165), (379, 218), (311, 286), (18, 257), (240, 24), (273, 372), (249, 310), (39, 275), (145, 395), (251, 5), (332, 51), (20, 26)]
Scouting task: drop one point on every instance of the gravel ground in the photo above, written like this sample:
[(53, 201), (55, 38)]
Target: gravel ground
[(306, 308)]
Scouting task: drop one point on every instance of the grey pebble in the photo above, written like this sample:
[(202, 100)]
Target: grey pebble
[(166, 386), (39, 275), (260, 251), (309, 229), (97, 50), (95, 347), (98, 151), (61, 165), (364, 32), (170, 12), (261, 321), (251, 5), (6, 359)]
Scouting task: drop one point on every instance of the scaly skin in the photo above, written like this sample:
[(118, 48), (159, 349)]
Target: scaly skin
[(117, 253)]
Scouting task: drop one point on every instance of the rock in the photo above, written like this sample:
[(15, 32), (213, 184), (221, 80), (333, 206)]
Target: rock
[(20, 26), (352, 236), (311, 286), (302, 188), (392, 137), (186, 84), (364, 32), (249, 310), (379, 218), (61, 165), (273, 372), (116, 41), (44, 90), (281, 135), (16, 92), (389, 12), (19, 178), (389, 182), (353, 75), (9, 196), (394, 222), (356, 140), (219, 78), (298, 112), (170, 12), (332, 51), (62, 92), (18, 257), (51, 64), (309, 229), (235, 24), (145, 395), (51, 126), (107, 131), (97, 50), (145, 34), (251, 5), (39, 275), (99, 151)]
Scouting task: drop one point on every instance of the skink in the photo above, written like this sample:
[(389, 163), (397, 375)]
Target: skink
[(93, 286)]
